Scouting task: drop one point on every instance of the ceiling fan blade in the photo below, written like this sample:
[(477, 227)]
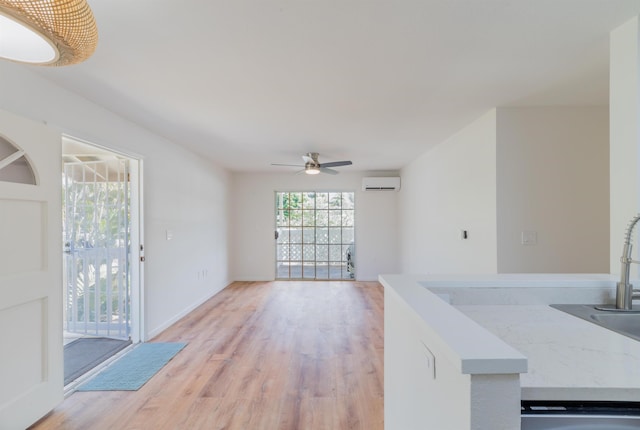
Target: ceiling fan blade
[(336, 164), (288, 165), (328, 171)]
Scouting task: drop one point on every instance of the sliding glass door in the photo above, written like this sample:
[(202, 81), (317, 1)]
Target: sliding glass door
[(315, 235)]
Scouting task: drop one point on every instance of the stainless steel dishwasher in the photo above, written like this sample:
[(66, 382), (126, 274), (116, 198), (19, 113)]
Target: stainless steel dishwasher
[(580, 415)]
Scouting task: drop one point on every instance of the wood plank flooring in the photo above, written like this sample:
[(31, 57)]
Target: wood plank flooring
[(260, 355)]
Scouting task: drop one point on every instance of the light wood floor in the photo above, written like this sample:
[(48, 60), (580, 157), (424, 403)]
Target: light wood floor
[(271, 355)]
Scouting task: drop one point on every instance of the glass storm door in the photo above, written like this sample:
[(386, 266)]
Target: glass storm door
[(96, 248), (315, 235)]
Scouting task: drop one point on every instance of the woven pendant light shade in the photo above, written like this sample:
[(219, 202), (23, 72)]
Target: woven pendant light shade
[(68, 25)]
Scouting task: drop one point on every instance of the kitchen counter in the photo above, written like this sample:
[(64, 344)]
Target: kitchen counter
[(569, 358), (462, 351)]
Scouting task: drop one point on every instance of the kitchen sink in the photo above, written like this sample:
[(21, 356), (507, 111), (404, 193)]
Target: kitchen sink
[(625, 323)]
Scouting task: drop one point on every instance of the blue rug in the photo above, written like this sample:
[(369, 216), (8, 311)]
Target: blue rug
[(134, 369)]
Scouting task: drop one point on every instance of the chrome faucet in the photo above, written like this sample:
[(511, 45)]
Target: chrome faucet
[(624, 291)]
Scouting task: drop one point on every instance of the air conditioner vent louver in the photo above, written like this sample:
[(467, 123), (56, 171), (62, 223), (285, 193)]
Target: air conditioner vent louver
[(381, 184)]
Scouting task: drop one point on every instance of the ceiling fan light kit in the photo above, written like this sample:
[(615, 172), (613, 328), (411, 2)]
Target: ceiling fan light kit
[(311, 170), (47, 32)]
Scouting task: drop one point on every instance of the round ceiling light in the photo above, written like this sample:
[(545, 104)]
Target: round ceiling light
[(47, 32), (310, 169)]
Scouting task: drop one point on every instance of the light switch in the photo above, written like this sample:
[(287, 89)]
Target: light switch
[(529, 238), (169, 234)]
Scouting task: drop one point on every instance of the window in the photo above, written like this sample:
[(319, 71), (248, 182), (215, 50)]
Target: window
[(14, 166)]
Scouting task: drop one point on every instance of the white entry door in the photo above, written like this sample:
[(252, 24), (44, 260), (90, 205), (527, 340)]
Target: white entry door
[(31, 358)]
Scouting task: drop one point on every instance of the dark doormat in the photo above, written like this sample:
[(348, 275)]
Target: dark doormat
[(84, 354)]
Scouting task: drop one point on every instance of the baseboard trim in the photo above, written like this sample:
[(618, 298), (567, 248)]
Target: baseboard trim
[(155, 332)]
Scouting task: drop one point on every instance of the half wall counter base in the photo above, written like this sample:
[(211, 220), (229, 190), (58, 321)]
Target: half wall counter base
[(442, 370)]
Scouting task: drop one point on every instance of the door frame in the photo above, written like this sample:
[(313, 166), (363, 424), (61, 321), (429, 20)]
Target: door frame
[(136, 266)]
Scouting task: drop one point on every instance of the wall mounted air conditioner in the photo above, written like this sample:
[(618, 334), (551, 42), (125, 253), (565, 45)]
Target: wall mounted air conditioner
[(381, 184)]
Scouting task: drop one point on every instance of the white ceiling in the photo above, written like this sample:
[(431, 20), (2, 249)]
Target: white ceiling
[(251, 82)]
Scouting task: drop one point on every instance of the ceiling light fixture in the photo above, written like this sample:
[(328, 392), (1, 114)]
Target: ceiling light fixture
[(312, 170), (47, 32)]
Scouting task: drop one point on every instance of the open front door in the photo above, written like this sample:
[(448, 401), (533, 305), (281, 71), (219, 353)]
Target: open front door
[(31, 363)]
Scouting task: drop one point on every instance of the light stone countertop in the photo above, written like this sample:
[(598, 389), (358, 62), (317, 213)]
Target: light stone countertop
[(569, 358), (470, 347)]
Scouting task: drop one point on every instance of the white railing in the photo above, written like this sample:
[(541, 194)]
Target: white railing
[(96, 292)]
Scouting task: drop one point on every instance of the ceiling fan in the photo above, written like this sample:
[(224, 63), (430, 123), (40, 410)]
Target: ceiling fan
[(312, 166)]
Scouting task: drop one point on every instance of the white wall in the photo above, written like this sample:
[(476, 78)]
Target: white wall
[(190, 197), (253, 222), (449, 188), (553, 179), (624, 104), (542, 170), (183, 193)]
